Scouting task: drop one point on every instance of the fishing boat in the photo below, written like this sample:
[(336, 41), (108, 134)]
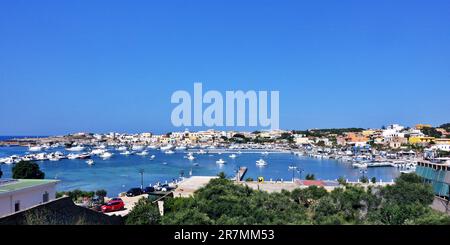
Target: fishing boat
[(261, 163)]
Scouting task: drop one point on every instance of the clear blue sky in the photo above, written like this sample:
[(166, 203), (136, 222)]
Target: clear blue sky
[(99, 66)]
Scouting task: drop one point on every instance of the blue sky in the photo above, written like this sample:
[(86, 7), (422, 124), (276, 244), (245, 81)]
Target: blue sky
[(100, 66)]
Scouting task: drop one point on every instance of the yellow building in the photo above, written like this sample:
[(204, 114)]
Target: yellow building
[(420, 140), (422, 126), (368, 132)]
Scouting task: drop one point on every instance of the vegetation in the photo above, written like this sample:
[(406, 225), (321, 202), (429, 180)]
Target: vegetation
[(27, 170), (222, 202), (78, 195), (326, 132), (310, 177), (432, 132)]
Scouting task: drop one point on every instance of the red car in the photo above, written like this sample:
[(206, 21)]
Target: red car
[(112, 206)]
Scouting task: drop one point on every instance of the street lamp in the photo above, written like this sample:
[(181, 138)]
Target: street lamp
[(292, 168), (363, 172), (300, 171), (141, 171)]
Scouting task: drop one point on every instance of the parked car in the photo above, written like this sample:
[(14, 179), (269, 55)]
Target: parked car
[(134, 192), (116, 199), (167, 188), (113, 206), (148, 189)]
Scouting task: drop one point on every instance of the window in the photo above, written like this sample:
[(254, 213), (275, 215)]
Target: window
[(45, 197), (17, 206)]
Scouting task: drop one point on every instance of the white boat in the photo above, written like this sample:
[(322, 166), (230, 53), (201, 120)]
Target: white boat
[(152, 157), (167, 147), (106, 155), (98, 151), (180, 148), (144, 153), (122, 148), (232, 156), (261, 163), (265, 153), (190, 157), (41, 157), (220, 161), (138, 147), (292, 167), (9, 161), (35, 148), (195, 164), (76, 148), (90, 162), (72, 156), (359, 165), (3, 160), (126, 153), (169, 152), (154, 147), (201, 152)]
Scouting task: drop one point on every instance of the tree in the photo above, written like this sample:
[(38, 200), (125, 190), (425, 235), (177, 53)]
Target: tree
[(342, 181), (364, 179), (144, 213), (249, 179), (310, 177), (222, 175), (373, 180), (27, 170), (101, 193)]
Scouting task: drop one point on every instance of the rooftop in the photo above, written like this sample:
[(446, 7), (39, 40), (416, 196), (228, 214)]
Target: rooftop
[(14, 185)]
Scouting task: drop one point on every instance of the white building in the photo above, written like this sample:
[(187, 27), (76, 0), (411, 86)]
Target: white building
[(17, 195)]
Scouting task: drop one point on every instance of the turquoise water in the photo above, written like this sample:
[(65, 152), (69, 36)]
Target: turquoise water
[(120, 173)]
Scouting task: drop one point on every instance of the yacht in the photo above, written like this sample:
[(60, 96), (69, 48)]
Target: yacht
[(359, 165), (153, 147), (98, 151), (90, 162), (220, 161), (122, 148), (106, 155), (35, 148), (3, 160), (190, 157), (233, 156), (169, 152), (41, 157), (72, 156), (126, 153), (152, 157), (180, 148), (76, 148), (144, 153), (166, 148), (138, 147), (261, 163)]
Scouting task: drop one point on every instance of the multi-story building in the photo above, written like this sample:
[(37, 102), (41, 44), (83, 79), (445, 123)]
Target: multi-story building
[(438, 175)]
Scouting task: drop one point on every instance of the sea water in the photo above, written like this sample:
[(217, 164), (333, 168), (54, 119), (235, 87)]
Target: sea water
[(120, 173)]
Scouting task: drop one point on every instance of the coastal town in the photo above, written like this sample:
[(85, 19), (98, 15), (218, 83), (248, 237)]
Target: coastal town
[(392, 145), (422, 149)]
